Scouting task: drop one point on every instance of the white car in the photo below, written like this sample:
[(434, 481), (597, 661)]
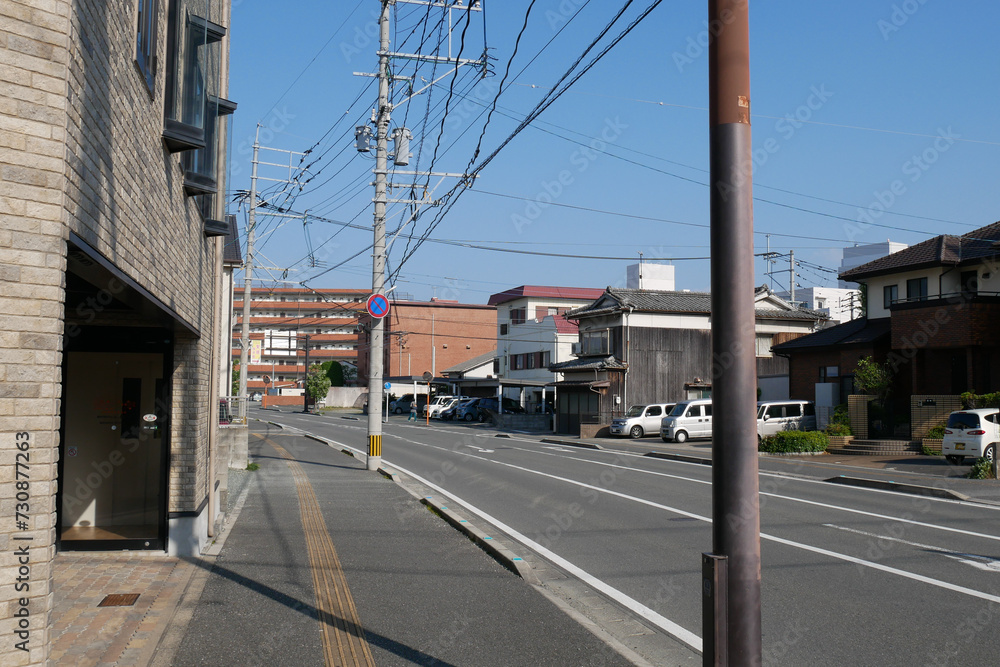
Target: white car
[(973, 433), (790, 415), (688, 419), (640, 420)]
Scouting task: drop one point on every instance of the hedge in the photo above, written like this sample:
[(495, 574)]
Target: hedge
[(790, 442)]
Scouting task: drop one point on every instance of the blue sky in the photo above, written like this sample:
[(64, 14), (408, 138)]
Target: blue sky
[(871, 121)]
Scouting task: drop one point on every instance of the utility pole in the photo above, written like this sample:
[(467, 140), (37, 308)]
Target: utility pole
[(731, 572), (247, 279), (305, 379), (401, 137), (791, 276), (374, 459)]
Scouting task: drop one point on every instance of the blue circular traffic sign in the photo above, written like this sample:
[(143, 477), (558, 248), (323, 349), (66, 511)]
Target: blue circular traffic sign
[(378, 306)]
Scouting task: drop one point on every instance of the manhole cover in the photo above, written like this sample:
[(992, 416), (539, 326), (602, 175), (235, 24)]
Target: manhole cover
[(119, 600)]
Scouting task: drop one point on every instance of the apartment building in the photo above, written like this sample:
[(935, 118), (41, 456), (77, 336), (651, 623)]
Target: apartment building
[(113, 124), (288, 322)]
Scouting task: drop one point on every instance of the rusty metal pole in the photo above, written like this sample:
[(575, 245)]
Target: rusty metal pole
[(735, 506)]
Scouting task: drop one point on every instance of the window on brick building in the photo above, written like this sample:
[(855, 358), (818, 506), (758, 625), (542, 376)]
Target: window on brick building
[(145, 40)]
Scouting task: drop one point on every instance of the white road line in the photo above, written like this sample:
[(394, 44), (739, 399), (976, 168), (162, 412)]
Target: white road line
[(985, 563), (768, 494), (665, 624), (669, 626)]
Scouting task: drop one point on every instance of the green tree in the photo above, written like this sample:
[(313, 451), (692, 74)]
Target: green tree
[(317, 383), (236, 379), (350, 374), (873, 378), (335, 372)]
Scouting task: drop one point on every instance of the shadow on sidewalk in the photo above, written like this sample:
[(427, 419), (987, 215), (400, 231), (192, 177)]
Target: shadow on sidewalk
[(310, 611)]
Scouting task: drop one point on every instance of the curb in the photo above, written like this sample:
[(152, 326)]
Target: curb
[(571, 443), (679, 457), (500, 553), (900, 487)]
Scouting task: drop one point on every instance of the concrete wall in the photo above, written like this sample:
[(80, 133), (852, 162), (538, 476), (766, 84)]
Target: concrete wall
[(346, 397), (521, 422)]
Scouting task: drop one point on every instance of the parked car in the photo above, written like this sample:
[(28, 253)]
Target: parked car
[(790, 415), (436, 411), (973, 433), (489, 405), (467, 410), (405, 402), (688, 419), (641, 419)]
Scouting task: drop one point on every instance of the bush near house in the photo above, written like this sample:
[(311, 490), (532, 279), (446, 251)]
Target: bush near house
[(936, 433), (791, 442), (972, 401), (840, 422)]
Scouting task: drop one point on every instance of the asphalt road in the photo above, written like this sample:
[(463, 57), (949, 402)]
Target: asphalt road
[(850, 575)]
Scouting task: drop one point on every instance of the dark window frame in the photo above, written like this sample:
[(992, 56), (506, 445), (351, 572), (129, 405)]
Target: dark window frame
[(145, 40), (890, 294), (920, 287)]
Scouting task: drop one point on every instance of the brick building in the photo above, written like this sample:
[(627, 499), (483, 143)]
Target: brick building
[(430, 336), (288, 319), (112, 128)]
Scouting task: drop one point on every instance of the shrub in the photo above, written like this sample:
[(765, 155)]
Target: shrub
[(838, 429), (972, 401), (927, 451), (936, 433), (794, 441), (981, 469)]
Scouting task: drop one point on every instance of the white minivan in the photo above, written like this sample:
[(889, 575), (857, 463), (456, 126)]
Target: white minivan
[(688, 419), (973, 433), (790, 415), (640, 420)]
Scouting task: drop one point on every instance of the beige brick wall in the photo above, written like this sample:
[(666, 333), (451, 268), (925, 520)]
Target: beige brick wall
[(34, 59), (81, 151)]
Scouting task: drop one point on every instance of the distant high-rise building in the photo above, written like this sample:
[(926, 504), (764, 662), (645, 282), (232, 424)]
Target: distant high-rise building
[(862, 254)]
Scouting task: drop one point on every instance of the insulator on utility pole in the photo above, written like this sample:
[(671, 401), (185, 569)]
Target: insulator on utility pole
[(363, 138), (401, 146)]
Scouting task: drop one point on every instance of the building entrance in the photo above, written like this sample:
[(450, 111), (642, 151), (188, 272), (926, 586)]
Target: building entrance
[(113, 451)]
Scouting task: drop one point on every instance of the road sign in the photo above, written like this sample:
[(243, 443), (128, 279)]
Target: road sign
[(388, 385), (378, 306), (427, 376)]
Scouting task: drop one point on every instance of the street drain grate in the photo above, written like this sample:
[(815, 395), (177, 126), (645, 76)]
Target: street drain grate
[(119, 600)]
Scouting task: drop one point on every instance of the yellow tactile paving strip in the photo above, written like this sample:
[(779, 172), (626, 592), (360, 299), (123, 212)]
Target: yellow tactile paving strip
[(343, 636)]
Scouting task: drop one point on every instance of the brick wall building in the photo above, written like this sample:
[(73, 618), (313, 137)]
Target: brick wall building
[(110, 157), (430, 336)]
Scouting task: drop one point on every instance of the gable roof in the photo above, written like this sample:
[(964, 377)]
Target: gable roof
[(615, 300), (473, 363), (545, 292), (855, 332), (944, 250)]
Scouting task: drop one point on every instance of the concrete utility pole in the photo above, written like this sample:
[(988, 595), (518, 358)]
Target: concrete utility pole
[(378, 253), (731, 573), (247, 279), (791, 276)]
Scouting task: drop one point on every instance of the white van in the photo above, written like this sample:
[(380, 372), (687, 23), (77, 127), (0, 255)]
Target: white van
[(790, 415), (640, 420), (688, 419)]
